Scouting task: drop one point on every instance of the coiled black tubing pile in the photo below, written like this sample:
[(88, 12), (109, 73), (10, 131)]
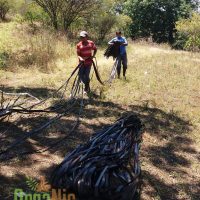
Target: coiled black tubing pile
[(107, 166)]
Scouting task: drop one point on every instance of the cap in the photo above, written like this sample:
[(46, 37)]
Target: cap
[(83, 34)]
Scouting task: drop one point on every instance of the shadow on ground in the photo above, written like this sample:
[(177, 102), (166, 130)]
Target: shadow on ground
[(169, 130)]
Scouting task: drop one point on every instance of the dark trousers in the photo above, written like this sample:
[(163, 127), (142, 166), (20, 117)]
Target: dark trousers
[(122, 61), (84, 75)]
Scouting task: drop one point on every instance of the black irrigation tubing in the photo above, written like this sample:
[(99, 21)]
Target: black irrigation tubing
[(75, 86), (24, 111), (19, 94), (64, 85), (73, 128), (74, 91), (71, 131), (49, 122), (8, 110), (34, 132), (113, 51), (96, 67), (113, 72), (42, 150), (97, 73), (27, 110), (107, 166), (19, 109)]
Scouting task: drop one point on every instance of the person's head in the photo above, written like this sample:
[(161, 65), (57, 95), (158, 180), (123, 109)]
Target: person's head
[(118, 33), (83, 35)]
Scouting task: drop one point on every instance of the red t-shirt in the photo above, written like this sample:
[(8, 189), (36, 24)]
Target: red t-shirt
[(85, 51)]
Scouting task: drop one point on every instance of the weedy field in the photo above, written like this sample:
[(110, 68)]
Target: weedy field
[(162, 88)]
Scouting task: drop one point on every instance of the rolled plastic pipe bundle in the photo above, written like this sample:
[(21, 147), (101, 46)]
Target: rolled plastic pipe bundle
[(107, 166)]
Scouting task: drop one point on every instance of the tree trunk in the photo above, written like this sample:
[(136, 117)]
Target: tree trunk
[(54, 21), (66, 25), (171, 35)]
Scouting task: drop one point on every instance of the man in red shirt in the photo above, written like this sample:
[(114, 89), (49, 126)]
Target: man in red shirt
[(86, 50)]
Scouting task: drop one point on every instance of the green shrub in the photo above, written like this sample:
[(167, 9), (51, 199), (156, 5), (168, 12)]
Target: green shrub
[(4, 8), (100, 26), (189, 33), (18, 18), (33, 14), (180, 41), (4, 56)]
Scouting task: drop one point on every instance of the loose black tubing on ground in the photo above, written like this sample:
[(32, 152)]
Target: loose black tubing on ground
[(45, 125)]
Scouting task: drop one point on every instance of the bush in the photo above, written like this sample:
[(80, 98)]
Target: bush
[(123, 23), (34, 13), (4, 8), (189, 33), (4, 56), (180, 41), (18, 18), (101, 26)]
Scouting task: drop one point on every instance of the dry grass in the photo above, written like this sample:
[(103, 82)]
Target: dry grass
[(33, 48), (162, 88)]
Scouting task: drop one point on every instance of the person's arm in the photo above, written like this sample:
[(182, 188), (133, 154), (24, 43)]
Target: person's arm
[(111, 42)]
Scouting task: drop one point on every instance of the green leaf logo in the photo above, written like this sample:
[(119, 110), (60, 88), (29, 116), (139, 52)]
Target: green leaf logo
[(31, 183)]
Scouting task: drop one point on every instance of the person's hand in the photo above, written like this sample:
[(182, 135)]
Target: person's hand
[(81, 59)]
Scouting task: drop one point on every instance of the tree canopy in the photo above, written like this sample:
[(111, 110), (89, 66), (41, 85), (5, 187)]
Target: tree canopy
[(65, 11), (157, 18)]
